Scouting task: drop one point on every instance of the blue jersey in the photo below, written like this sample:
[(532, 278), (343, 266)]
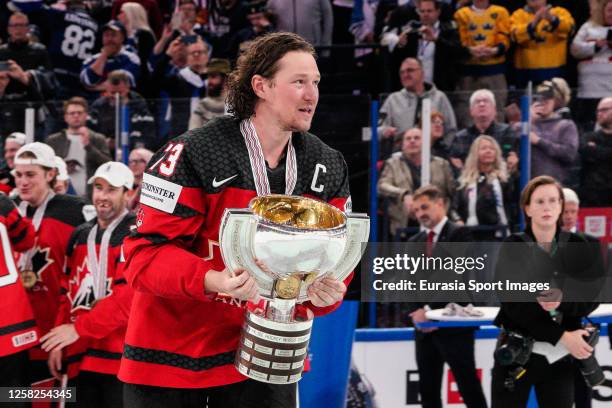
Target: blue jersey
[(70, 36)]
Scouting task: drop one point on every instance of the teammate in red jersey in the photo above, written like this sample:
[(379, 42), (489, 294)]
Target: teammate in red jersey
[(18, 330), (54, 217), (182, 337), (97, 301)]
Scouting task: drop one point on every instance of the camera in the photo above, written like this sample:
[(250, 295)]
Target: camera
[(412, 26), (189, 39), (513, 349), (4, 66), (589, 367)]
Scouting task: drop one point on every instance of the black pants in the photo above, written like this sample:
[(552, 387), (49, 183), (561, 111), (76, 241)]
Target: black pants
[(246, 394), (455, 347), (14, 373), (554, 384), (97, 390)]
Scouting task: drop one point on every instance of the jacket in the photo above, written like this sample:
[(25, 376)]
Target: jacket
[(96, 152)]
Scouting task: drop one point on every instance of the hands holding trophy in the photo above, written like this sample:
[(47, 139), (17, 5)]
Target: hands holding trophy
[(287, 243)]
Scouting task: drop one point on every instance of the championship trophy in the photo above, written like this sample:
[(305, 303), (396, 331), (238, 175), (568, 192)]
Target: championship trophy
[(295, 241)]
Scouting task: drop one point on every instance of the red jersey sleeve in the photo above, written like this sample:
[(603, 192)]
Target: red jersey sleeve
[(20, 230), (158, 256)]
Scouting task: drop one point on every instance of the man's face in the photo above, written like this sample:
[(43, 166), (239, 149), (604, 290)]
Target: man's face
[(604, 113), (18, 28), (428, 13), (32, 182), (570, 216), (216, 82), (113, 40), (482, 109), (258, 20), (411, 74), (197, 57), (137, 164), (10, 149), (291, 96), (75, 116), (428, 212), (412, 142), (4, 81), (188, 11), (108, 199), (121, 87)]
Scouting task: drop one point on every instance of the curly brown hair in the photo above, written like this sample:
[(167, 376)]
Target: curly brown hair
[(260, 58)]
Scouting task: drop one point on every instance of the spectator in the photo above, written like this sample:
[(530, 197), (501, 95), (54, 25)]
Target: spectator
[(62, 180), (140, 38), (541, 34), (137, 162), (554, 140), (401, 176), (13, 142), (185, 86), (562, 95), (311, 19), (593, 47), (441, 140), (82, 149), (28, 66), (482, 112), (261, 22), (113, 56), (141, 131), (484, 30), (225, 19), (13, 104), (70, 35), (571, 205), (402, 109), (213, 104), (486, 193), (152, 7), (435, 43), (596, 154)]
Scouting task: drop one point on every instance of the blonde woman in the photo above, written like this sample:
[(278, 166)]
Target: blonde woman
[(593, 48), (486, 190), (140, 35)]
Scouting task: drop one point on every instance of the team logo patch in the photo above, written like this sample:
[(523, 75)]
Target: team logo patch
[(159, 193), (348, 206)]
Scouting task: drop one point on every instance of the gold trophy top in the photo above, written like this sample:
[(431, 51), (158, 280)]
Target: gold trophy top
[(298, 212)]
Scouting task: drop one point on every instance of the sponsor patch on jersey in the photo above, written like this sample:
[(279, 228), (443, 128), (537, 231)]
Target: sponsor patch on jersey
[(159, 193), (24, 338)]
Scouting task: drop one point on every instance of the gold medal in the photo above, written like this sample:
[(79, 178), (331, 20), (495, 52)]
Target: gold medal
[(28, 279), (288, 288), (311, 277)]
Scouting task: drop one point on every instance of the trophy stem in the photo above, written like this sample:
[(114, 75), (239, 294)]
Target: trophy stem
[(281, 310)]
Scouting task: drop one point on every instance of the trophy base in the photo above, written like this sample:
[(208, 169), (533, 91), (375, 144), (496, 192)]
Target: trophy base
[(272, 352)]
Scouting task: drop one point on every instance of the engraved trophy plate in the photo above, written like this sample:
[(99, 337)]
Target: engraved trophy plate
[(296, 240)]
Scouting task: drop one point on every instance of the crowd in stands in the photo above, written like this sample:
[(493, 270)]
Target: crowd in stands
[(167, 62)]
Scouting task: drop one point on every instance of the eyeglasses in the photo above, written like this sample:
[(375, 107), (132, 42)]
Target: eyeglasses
[(75, 113), (137, 161), (602, 110)]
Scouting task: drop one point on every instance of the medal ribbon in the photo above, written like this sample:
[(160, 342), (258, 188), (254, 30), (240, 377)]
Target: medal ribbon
[(25, 260), (258, 163), (98, 267)]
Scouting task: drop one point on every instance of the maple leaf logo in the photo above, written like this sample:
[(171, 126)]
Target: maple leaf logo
[(41, 260), (83, 285)]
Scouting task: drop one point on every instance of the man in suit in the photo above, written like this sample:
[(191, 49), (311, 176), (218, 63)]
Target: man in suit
[(434, 346)]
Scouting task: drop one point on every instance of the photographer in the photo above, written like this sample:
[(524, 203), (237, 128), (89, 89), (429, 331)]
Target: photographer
[(433, 41), (529, 328)]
